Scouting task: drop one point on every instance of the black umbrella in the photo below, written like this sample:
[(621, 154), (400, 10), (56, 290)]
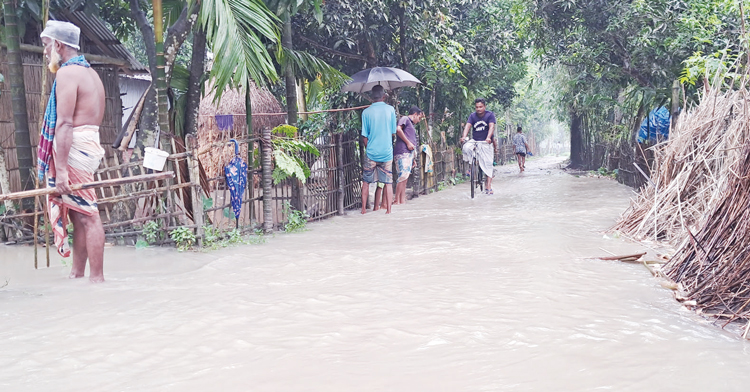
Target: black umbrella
[(387, 77)]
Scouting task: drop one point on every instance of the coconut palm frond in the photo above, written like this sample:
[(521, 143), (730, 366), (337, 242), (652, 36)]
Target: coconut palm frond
[(235, 30), (310, 67)]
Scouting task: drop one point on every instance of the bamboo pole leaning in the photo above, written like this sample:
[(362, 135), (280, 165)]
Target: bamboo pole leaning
[(90, 185)]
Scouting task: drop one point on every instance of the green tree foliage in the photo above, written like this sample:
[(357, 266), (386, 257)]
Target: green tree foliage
[(460, 49), (622, 57)]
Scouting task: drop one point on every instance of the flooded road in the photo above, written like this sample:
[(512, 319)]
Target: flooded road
[(446, 294)]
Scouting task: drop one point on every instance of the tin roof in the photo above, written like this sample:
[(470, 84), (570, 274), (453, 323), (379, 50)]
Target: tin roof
[(103, 41)]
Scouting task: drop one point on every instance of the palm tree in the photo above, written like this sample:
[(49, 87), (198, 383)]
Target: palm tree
[(235, 32), (18, 96)]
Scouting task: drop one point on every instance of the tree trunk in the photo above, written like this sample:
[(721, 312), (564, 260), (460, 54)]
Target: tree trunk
[(197, 64), (4, 181), (291, 80), (18, 96), (576, 140), (431, 120), (176, 36), (402, 38), (371, 58), (267, 178), (147, 131), (161, 76)]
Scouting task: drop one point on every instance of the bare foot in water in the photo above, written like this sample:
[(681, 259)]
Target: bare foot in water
[(364, 211), (75, 274), (96, 279)]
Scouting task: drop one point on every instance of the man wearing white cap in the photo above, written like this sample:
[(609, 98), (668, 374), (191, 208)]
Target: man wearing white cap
[(69, 149)]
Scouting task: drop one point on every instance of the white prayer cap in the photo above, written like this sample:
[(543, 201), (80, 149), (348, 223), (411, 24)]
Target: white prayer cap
[(65, 32)]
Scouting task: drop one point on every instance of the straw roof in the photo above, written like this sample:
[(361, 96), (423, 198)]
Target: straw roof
[(214, 149), (233, 102)]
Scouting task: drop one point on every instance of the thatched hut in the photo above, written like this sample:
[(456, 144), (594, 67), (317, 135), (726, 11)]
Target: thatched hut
[(106, 55), (221, 121)]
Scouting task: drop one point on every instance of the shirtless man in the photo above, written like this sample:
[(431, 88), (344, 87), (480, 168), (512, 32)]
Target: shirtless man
[(69, 149)]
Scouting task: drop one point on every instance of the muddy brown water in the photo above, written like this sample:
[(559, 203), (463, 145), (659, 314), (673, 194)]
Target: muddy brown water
[(447, 294)]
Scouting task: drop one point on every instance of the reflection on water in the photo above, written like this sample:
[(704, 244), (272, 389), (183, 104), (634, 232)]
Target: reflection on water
[(447, 294)]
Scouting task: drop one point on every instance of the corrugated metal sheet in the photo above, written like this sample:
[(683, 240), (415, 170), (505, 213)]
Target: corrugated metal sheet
[(102, 39)]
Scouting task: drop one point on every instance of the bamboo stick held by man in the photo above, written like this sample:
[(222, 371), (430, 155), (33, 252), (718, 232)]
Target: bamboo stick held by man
[(69, 148)]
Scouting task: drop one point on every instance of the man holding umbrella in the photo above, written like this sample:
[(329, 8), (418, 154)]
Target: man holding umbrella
[(378, 127)]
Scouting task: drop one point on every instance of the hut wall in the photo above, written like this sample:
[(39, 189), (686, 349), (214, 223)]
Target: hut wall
[(33, 68)]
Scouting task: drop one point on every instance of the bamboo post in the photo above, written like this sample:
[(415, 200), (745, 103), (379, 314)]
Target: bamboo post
[(195, 181), (340, 169), (362, 153), (266, 162), (676, 88)]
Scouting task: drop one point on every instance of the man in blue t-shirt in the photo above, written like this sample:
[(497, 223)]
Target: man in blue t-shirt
[(378, 127), (482, 124)]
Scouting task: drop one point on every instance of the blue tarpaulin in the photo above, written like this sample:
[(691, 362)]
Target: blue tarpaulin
[(655, 127)]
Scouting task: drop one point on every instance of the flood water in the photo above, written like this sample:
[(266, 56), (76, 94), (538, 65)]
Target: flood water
[(446, 294)]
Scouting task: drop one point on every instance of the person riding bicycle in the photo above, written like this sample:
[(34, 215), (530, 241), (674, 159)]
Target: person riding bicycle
[(482, 124)]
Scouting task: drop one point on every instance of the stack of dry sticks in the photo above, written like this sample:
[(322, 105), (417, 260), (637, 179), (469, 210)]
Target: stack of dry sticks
[(698, 202)]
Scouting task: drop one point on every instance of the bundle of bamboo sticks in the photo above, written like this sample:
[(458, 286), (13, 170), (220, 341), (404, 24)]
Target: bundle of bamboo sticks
[(699, 203), (691, 170), (713, 266)]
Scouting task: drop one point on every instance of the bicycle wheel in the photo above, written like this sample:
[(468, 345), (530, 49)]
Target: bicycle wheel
[(473, 176), (480, 178)]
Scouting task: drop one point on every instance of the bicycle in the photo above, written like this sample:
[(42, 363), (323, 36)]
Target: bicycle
[(476, 173)]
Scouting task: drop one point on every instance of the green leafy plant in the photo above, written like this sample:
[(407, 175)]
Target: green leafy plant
[(211, 235), (296, 220), (151, 232), (285, 130), (288, 154), (183, 237), (234, 236)]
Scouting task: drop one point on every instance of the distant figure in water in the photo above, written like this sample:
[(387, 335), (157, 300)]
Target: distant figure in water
[(522, 147), (378, 127), (69, 150)]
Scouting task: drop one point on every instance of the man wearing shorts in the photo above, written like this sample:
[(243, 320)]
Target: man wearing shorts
[(378, 127), (521, 148), (404, 150)]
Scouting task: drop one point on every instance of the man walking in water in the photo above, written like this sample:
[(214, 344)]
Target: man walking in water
[(521, 147), (69, 150), (378, 127), (482, 124), (406, 141)]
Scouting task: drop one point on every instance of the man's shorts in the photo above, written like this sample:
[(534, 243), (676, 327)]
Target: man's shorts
[(385, 175), (404, 163), (523, 154)]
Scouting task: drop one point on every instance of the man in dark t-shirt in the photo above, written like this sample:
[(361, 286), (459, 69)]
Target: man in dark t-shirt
[(482, 124), (405, 150)]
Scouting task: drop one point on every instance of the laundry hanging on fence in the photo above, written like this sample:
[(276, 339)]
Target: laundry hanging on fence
[(655, 128), (224, 122), (428, 165), (235, 173)]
